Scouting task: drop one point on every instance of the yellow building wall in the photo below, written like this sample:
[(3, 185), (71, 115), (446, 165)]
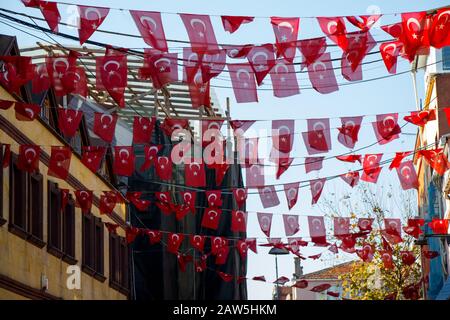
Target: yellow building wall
[(26, 263)]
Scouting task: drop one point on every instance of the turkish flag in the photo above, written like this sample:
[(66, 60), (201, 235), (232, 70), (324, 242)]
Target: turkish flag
[(386, 128), (29, 158), (399, 156), (365, 224), (393, 230), (318, 137), (238, 221), (248, 150), (321, 75), (291, 191), (189, 199), (413, 228), (194, 174), (421, 118), (199, 92), (142, 129), (174, 241), (108, 201), (371, 167), (214, 198), (254, 175), (316, 189), (366, 252), (350, 158), (84, 200), (5, 104), (283, 135), (221, 170), (170, 125), (395, 29), (348, 132), (105, 125), (200, 32), (159, 67), (217, 243), (112, 74), (62, 71), (389, 52), (351, 178), (135, 198), (26, 111), (150, 153), (232, 23), (321, 287), (92, 156), (211, 129), (341, 226), (415, 34), (251, 243), (225, 276), (313, 164), (301, 284), (48, 9), (364, 22), (284, 80), (212, 64), (124, 160), (242, 247), (183, 260), (200, 264), (286, 33), (334, 29), (435, 159), (191, 66), (407, 175), (262, 60), (386, 257), (163, 167), (65, 194), (360, 43), (265, 222), (240, 126), (111, 227), (295, 244), (90, 20), (15, 72), (240, 196), (164, 202), (154, 236), (291, 225), (243, 82), (211, 218), (59, 162), (311, 49), (268, 196), (150, 26), (439, 226), (317, 230), (439, 31), (408, 257), (131, 233), (197, 242), (69, 121), (237, 51)]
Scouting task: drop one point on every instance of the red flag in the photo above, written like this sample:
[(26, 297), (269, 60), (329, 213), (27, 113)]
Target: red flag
[(386, 257), (232, 23), (316, 189), (214, 198), (420, 118), (69, 121), (240, 126), (160, 67), (318, 138), (90, 20), (439, 226), (108, 201), (291, 191), (317, 230), (48, 9), (140, 204), (386, 128), (183, 260), (217, 243), (408, 258), (283, 135), (59, 162), (112, 74), (16, 72), (360, 43), (364, 22), (197, 242), (366, 253), (26, 111), (283, 164), (243, 82), (393, 230), (313, 164), (238, 221), (435, 159), (286, 33), (29, 158), (225, 276), (439, 31), (199, 92), (163, 167), (191, 66), (348, 133), (92, 156), (281, 280), (259, 278), (365, 224), (194, 173), (413, 227), (321, 75), (350, 158), (131, 233), (262, 60), (407, 175), (111, 227), (430, 254), (248, 150), (212, 64), (395, 29), (211, 218), (341, 226), (321, 287), (170, 125), (64, 75), (84, 200), (312, 49), (351, 178), (150, 153), (211, 131), (415, 34), (255, 176), (295, 244), (265, 222), (301, 284), (284, 80), (291, 225), (189, 199), (399, 156), (124, 160), (5, 104), (334, 29), (389, 52), (105, 125), (174, 241), (200, 32), (268, 196), (142, 129), (200, 264), (150, 27), (220, 170), (237, 51), (164, 202), (251, 243), (371, 167)]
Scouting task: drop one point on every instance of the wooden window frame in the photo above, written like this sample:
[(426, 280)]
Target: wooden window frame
[(2, 216), (35, 215), (118, 264), (69, 231), (93, 247)]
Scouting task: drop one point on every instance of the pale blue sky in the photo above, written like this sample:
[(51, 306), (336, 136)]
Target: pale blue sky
[(393, 94)]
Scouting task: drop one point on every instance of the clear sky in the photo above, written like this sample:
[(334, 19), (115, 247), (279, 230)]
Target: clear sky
[(394, 94)]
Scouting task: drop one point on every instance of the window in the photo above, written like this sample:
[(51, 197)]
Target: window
[(2, 219), (61, 225), (26, 204), (118, 263), (93, 246), (446, 58)]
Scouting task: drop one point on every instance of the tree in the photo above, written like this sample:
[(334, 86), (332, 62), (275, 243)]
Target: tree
[(372, 280)]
